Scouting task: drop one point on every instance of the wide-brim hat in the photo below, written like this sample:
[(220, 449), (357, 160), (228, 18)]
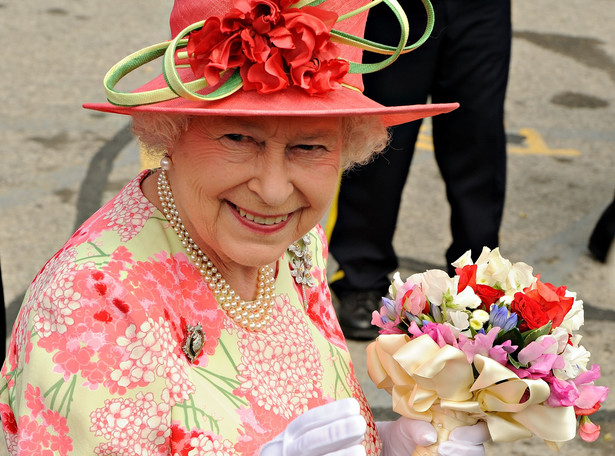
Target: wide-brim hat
[(266, 58)]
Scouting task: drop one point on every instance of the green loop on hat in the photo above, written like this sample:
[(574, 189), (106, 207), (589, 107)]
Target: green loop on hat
[(169, 69), (372, 46)]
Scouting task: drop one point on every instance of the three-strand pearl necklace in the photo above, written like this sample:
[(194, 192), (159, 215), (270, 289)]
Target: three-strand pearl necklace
[(251, 315)]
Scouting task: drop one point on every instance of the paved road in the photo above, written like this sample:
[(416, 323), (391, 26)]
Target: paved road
[(61, 162)]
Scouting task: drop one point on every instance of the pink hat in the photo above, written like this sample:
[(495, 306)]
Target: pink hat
[(266, 58)]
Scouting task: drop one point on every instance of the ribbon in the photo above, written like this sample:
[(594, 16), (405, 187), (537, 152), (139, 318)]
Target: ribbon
[(422, 376), (177, 88)]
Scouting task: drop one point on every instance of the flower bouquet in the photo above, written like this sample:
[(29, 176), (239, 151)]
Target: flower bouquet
[(493, 343)]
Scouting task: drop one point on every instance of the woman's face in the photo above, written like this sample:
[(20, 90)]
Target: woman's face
[(246, 188)]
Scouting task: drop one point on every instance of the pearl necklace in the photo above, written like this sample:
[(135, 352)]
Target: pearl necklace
[(251, 315)]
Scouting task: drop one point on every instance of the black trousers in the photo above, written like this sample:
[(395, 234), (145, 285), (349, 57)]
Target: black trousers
[(465, 60)]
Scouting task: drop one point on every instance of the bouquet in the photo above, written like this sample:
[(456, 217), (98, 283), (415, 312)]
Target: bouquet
[(492, 343)]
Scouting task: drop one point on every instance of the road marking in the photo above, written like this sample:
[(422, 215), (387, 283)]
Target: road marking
[(535, 145), (532, 144)]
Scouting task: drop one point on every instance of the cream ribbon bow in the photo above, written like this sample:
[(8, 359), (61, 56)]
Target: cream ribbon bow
[(421, 376)]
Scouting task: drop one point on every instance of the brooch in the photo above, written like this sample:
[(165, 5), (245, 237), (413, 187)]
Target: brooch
[(194, 341), (300, 260)]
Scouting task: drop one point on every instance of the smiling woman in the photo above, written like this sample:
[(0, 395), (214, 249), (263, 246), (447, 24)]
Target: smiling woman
[(191, 314)]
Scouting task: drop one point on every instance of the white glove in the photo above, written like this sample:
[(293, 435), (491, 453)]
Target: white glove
[(337, 428), (401, 437), (466, 441)]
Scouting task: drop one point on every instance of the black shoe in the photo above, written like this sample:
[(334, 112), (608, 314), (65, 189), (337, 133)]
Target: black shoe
[(354, 312)]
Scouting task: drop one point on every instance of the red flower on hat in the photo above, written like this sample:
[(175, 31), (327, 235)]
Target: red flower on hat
[(273, 46)]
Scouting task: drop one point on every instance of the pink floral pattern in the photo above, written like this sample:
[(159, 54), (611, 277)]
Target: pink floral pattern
[(372, 442), (41, 431), (97, 346)]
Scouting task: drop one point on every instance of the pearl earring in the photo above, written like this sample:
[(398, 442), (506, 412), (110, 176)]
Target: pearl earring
[(165, 162)]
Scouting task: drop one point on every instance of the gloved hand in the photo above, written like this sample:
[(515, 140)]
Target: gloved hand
[(401, 437), (335, 428), (466, 441)]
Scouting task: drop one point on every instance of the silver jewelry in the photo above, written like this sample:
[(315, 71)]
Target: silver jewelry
[(300, 260), (194, 341), (251, 315)]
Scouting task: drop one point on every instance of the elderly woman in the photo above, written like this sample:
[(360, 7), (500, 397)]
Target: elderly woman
[(191, 314)]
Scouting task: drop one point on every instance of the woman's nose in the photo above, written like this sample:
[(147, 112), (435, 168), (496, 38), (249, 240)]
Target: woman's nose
[(271, 181)]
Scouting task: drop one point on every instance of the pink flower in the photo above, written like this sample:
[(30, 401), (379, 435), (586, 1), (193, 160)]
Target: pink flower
[(388, 317), (563, 393), (590, 395), (441, 334), (482, 344), (588, 431), (540, 357)]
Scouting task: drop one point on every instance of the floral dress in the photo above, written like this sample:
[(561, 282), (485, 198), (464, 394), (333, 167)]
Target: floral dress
[(95, 364)]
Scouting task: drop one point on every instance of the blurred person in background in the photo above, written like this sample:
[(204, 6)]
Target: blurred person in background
[(466, 59)]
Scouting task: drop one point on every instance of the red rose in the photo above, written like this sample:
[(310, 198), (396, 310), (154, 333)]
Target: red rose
[(488, 295), (540, 304), (531, 312)]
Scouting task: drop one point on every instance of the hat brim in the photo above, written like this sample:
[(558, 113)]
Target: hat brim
[(289, 102)]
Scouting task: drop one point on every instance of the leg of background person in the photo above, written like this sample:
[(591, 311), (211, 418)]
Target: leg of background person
[(470, 143), (368, 203), (603, 234)]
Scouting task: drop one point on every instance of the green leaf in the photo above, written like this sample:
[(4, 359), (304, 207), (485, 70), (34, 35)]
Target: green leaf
[(532, 335), (514, 362), (515, 338)]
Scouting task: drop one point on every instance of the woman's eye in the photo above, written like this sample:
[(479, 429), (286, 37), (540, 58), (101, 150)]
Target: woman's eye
[(310, 147), (235, 137)]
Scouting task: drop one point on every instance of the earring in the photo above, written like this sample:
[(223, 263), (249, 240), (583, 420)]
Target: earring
[(165, 162)]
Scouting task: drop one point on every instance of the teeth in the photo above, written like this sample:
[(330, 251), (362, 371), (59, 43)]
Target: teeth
[(262, 220)]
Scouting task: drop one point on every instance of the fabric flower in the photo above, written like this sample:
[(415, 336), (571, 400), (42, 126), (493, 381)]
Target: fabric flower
[(273, 46)]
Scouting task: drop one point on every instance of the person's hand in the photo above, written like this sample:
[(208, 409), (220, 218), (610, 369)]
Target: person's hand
[(466, 441), (401, 437), (337, 428)]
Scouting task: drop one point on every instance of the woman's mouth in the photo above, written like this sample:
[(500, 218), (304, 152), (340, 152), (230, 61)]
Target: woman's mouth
[(260, 219)]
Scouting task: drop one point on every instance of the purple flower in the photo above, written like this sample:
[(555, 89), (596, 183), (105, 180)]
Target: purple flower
[(499, 316), (388, 317)]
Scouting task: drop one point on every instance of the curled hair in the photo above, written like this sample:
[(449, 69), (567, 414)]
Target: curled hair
[(159, 132), (363, 136)]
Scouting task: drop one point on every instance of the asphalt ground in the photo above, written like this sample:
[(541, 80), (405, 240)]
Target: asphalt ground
[(60, 162)]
